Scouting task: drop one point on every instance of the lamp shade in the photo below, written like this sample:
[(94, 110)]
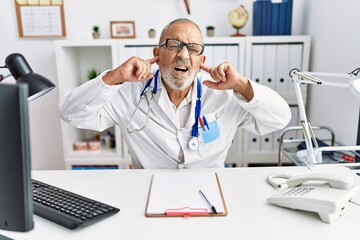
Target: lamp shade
[(22, 72)]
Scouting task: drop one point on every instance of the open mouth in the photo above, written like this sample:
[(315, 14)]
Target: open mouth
[(181, 69)]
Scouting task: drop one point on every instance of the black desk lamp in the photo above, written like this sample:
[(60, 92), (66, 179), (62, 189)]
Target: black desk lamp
[(16, 206), (22, 72)]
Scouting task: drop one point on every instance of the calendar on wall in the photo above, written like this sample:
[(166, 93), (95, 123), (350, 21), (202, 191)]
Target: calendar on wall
[(40, 18)]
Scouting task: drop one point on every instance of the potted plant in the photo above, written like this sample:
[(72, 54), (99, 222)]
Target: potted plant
[(210, 30), (92, 73), (96, 32), (151, 33)]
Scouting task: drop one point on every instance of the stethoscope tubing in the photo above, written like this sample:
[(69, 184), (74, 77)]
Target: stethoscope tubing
[(194, 130)]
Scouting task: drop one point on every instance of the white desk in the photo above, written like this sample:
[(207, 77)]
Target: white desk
[(245, 192)]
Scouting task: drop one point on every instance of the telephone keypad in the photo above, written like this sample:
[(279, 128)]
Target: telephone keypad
[(298, 191)]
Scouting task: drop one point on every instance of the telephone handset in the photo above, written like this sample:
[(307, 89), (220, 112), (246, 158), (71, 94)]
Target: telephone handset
[(334, 180), (328, 194)]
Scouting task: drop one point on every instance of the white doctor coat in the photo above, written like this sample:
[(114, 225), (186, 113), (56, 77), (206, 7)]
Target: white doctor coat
[(97, 106)]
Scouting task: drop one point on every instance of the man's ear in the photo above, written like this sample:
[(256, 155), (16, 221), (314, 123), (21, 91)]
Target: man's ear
[(203, 59), (156, 51)]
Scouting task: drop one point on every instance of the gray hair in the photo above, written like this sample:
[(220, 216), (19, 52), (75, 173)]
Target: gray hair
[(179, 20)]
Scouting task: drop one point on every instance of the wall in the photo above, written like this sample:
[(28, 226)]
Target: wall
[(335, 40), (80, 16)]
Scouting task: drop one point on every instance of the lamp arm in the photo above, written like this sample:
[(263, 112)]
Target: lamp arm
[(312, 78), (308, 133), (338, 148)]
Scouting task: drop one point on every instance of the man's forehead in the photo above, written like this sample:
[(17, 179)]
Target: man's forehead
[(184, 30)]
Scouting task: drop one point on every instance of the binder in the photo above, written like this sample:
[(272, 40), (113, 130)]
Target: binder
[(176, 194), (275, 9), (267, 18), (288, 21), (282, 18), (269, 65), (267, 143), (282, 68), (257, 63), (254, 143), (257, 20)]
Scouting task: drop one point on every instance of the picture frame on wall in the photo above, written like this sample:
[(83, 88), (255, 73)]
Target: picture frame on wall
[(122, 29), (40, 19)]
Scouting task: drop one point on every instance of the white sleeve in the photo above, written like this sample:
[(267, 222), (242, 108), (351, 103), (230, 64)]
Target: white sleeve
[(85, 106), (269, 111)]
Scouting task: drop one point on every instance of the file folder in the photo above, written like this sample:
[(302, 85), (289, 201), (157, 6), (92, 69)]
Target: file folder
[(176, 194)]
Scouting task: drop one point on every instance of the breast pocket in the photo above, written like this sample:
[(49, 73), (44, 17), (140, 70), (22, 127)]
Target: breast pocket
[(209, 135)]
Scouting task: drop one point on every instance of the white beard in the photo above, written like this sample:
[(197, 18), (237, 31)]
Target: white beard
[(177, 84)]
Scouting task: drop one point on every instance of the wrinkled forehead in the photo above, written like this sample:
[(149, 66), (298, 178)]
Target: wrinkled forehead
[(183, 31)]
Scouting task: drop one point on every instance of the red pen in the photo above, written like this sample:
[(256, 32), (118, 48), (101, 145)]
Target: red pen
[(202, 123)]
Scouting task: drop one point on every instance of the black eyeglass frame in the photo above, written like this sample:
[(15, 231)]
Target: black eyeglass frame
[(182, 44)]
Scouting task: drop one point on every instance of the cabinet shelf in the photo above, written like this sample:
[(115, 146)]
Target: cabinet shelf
[(104, 152)]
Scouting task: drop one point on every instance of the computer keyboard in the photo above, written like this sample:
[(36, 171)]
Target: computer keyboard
[(67, 208)]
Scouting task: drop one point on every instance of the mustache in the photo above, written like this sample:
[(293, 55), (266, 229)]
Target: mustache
[(180, 61)]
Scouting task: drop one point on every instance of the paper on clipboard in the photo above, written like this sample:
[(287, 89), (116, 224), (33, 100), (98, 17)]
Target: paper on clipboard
[(180, 192)]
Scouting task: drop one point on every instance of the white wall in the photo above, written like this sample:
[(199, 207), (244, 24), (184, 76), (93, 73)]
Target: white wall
[(80, 16), (334, 27)]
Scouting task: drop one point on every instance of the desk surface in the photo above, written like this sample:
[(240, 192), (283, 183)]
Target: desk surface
[(245, 191)]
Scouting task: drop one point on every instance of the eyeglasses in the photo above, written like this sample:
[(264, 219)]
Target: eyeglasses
[(176, 45)]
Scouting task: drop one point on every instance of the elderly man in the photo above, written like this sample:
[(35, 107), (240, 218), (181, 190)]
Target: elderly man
[(178, 116)]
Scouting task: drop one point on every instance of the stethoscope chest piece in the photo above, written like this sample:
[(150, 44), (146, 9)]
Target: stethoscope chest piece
[(194, 143)]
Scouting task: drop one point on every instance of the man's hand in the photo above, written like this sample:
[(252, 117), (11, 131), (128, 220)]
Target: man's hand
[(226, 77), (133, 70)]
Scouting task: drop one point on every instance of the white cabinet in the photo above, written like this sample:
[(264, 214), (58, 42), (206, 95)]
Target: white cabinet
[(267, 60)]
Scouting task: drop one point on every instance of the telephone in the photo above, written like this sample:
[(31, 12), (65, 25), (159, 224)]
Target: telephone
[(328, 194)]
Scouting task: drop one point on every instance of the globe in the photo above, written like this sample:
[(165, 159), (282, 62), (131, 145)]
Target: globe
[(238, 17)]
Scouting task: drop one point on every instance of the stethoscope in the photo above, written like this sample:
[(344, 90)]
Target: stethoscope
[(194, 141)]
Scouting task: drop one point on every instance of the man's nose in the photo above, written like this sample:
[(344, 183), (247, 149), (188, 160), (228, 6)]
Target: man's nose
[(183, 53)]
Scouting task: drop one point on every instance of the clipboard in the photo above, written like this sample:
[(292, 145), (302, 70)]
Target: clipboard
[(176, 194)]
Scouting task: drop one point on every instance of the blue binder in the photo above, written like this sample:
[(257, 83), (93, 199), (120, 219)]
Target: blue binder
[(288, 21), (272, 18), (275, 10)]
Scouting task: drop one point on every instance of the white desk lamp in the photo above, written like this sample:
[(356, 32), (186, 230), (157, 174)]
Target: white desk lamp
[(350, 80)]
